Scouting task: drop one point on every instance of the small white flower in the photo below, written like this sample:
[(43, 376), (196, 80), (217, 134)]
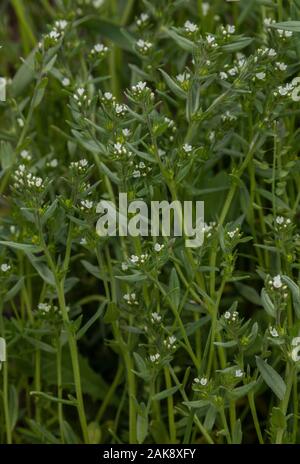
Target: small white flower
[(154, 357), (158, 247), (86, 204), (203, 381), (273, 332), (20, 122), (108, 96), (279, 220), (61, 24), (187, 148), (25, 155), (190, 27), (54, 35), (227, 315), (183, 77), (44, 307), (126, 132), (136, 174), (205, 8), (155, 317), (97, 3), (65, 82), (124, 266), (223, 75), (53, 163), (281, 66), (134, 259), (277, 282), (5, 267), (238, 373), (260, 76), (83, 241)]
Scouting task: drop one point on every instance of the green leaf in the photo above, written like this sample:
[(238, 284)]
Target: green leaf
[(111, 314), (174, 288), (249, 293), (39, 92), (7, 155), (293, 26), (22, 246), (165, 393), (239, 392), (91, 321), (295, 292), (238, 45), (142, 423), (267, 303), (272, 378), (13, 406), (42, 269), (184, 43), (237, 434), (175, 88), (14, 290), (196, 404), (24, 76), (278, 419)]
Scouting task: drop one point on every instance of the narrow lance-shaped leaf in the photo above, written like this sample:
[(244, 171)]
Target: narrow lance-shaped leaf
[(271, 377)]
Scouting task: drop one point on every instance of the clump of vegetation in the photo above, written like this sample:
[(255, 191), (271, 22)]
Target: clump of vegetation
[(141, 339)]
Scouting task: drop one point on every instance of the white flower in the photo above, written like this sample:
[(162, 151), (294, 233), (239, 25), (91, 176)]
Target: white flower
[(134, 259), (261, 76), (44, 307), (124, 266), (183, 77), (190, 27), (143, 46), (205, 8), (65, 82), (238, 373), (232, 233), (210, 39), (279, 220), (203, 381), (25, 155), (120, 109), (53, 163), (154, 357), (223, 75), (130, 298), (277, 282), (230, 29), (142, 19), (187, 148), (227, 315), (271, 52), (83, 241), (99, 49), (86, 204), (55, 35), (136, 173), (126, 132), (61, 24), (5, 267), (158, 247), (273, 332), (108, 96), (155, 317), (97, 3), (281, 66), (20, 122)]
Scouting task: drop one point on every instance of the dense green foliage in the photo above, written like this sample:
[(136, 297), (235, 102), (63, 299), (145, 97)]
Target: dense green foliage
[(142, 339)]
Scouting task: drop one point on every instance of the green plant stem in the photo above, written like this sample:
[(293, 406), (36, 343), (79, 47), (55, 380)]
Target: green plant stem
[(109, 395), (285, 402), (5, 384), (171, 418), (255, 418)]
